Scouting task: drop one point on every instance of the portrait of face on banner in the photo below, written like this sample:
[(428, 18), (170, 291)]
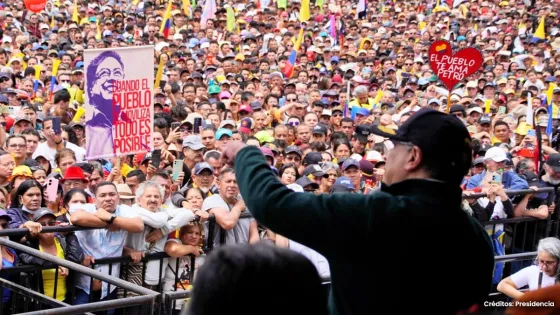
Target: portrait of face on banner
[(119, 107)]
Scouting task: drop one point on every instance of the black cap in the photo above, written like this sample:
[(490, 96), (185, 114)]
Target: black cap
[(312, 158), (484, 119), (314, 170), (41, 213), (554, 162), (443, 139), (292, 149), (306, 182), (457, 108), (319, 129), (362, 133)]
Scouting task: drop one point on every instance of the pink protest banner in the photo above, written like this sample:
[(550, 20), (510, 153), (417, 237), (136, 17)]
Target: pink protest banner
[(119, 107)]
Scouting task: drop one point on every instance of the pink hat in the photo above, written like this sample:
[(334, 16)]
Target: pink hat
[(245, 108), (336, 78), (225, 95)]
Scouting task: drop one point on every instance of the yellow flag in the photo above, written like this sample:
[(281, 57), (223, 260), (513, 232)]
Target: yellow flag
[(75, 16), (159, 72), (487, 105), (378, 96), (38, 69), (79, 113), (98, 30), (56, 63), (135, 2), (304, 13), (230, 22), (166, 17), (187, 7), (550, 93)]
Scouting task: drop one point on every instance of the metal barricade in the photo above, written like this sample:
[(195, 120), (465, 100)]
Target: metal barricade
[(36, 302)]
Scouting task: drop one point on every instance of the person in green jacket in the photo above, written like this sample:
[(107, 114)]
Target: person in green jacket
[(387, 249)]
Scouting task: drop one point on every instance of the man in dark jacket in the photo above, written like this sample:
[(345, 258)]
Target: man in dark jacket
[(384, 247)]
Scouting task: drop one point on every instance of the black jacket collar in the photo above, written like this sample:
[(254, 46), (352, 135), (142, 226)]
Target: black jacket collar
[(425, 188)]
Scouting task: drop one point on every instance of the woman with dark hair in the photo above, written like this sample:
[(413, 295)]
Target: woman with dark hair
[(288, 173), (56, 244), (25, 202), (68, 134), (73, 196)]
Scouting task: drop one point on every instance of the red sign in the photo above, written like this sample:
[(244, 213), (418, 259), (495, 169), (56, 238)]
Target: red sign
[(453, 68), (35, 5)]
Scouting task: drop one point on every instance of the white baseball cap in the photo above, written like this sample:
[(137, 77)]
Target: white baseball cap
[(495, 154)]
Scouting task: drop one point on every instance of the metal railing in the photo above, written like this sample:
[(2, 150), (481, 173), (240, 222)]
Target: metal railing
[(164, 302), (146, 297)]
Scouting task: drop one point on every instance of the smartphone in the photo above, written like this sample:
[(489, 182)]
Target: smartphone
[(197, 124), (496, 178), (56, 125), (177, 169), (52, 189), (532, 133), (502, 110), (156, 158), (175, 125)]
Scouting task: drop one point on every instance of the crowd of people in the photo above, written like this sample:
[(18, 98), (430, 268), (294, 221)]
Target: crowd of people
[(228, 71)]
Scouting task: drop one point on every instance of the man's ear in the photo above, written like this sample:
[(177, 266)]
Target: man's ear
[(414, 160)]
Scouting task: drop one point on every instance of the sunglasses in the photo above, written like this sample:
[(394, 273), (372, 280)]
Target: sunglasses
[(5, 225), (293, 123)]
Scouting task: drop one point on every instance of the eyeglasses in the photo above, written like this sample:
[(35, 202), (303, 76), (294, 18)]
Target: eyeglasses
[(49, 223), (546, 262), (15, 145), (408, 64)]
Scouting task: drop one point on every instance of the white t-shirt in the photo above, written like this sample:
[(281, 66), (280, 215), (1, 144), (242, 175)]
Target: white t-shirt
[(530, 276), (183, 273)]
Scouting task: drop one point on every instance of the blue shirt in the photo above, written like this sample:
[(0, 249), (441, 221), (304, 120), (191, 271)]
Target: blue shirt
[(101, 243)]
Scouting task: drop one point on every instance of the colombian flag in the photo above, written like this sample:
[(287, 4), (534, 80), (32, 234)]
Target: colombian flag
[(166, 24), (539, 32), (289, 68)]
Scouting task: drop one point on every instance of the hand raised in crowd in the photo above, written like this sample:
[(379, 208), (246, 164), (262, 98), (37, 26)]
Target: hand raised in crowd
[(150, 170), (174, 135), (551, 208), (167, 89), (168, 156), (179, 181), (230, 150)]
